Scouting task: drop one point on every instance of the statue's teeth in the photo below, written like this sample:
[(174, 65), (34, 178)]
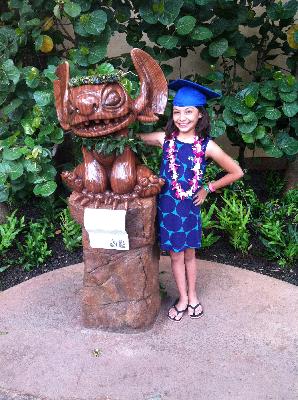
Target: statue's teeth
[(86, 123), (106, 121)]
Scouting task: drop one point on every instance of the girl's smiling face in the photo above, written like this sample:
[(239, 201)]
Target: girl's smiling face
[(186, 118)]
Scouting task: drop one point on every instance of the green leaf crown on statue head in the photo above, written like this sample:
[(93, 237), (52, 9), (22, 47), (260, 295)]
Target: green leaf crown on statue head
[(112, 77)]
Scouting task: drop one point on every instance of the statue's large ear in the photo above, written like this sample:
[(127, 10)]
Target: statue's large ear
[(154, 89), (61, 93)]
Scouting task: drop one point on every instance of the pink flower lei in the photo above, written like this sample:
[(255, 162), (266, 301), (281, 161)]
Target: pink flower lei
[(173, 167)]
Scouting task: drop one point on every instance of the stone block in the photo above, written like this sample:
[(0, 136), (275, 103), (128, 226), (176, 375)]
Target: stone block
[(121, 287)]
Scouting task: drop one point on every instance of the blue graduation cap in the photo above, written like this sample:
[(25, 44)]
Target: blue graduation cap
[(191, 93)]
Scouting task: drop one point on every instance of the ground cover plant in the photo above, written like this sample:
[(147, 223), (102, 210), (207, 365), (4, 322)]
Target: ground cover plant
[(266, 242)]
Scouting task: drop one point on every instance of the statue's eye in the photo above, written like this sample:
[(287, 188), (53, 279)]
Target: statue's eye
[(113, 98), (71, 108)]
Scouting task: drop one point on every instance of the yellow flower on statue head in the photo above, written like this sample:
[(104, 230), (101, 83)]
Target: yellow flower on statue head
[(292, 36)]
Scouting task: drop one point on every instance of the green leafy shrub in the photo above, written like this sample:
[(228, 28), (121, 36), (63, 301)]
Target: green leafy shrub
[(207, 223), (71, 231), (212, 170), (280, 241), (262, 114), (275, 183), (35, 36), (10, 230), (247, 194), (34, 250), (278, 228), (233, 218)]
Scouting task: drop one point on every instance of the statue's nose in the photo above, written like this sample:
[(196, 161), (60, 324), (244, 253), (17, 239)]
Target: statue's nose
[(86, 104)]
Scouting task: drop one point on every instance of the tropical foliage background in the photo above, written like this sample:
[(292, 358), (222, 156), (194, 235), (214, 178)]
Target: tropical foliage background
[(37, 35)]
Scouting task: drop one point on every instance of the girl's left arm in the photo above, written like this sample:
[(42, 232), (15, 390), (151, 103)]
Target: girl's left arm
[(234, 171)]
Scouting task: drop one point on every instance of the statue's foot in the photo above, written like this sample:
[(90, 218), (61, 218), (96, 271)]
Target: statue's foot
[(86, 198)]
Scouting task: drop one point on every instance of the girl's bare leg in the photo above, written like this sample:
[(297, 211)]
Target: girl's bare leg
[(191, 274), (178, 267)]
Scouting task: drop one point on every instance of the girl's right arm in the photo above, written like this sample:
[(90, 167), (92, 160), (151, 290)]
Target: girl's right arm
[(153, 138)]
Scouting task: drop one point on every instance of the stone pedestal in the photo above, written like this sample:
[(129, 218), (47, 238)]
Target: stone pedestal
[(121, 287)]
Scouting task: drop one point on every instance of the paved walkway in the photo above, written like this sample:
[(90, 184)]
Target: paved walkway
[(244, 348)]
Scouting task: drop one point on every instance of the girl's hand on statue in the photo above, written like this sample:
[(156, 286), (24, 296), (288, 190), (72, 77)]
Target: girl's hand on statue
[(199, 197)]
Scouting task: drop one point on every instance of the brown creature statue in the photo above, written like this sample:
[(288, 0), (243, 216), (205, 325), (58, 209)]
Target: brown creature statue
[(94, 109)]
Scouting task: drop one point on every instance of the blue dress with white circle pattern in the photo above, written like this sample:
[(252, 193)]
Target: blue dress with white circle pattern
[(179, 220)]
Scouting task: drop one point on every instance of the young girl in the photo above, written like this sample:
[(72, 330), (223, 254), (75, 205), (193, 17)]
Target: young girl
[(186, 147)]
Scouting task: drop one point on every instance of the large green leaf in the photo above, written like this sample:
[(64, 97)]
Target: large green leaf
[(50, 72), (185, 25), (290, 109), (235, 105), (72, 9), (288, 97), (282, 11), (164, 11), (84, 4), (285, 87), (5, 169), (250, 100), (248, 127), (273, 151), (97, 53), (31, 166), (167, 41), (57, 135), (229, 117), (272, 113), (250, 117), (271, 123), (231, 52), (8, 42), (16, 171), (32, 76), (122, 13), (91, 24), (43, 97), (260, 132), (11, 71), (218, 128), (45, 189), (286, 143), (217, 48), (105, 68), (268, 92), (201, 33), (248, 137), (12, 154), (250, 90), (49, 172)]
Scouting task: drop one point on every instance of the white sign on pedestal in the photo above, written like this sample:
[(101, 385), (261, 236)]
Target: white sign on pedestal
[(106, 228)]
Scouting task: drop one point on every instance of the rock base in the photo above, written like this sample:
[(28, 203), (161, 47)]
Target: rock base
[(121, 288)]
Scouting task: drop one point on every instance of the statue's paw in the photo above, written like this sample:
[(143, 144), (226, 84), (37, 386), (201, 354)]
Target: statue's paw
[(148, 187), (73, 181)]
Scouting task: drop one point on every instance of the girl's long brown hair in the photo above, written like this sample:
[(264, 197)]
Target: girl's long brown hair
[(203, 126)]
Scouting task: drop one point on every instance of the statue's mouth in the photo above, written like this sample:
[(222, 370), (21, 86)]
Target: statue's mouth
[(101, 127)]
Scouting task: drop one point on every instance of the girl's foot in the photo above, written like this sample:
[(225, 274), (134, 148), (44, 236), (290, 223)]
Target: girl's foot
[(195, 309), (177, 310)]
